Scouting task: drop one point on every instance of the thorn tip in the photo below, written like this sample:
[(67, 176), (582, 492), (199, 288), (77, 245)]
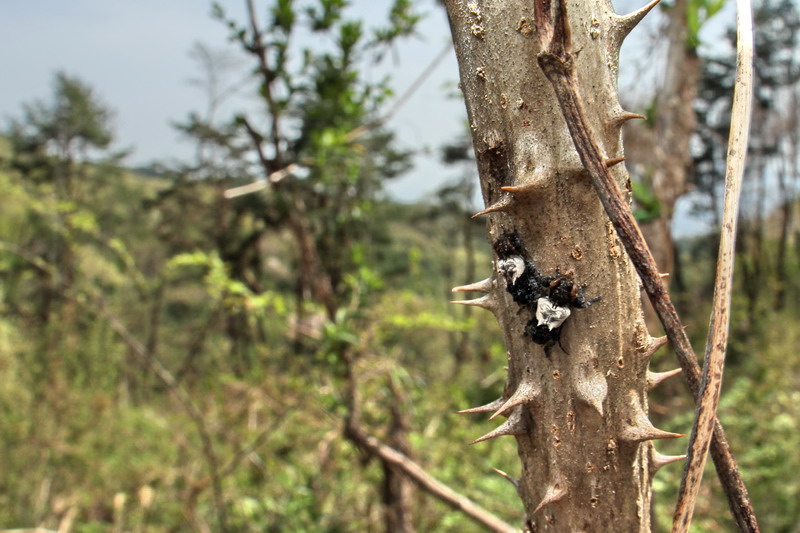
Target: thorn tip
[(488, 408), (513, 426), (480, 286), (623, 24), (659, 461), (512, 480), (654, 379), (500, 205), (526, 393), (624, 117), (655, 344), (484, 302)]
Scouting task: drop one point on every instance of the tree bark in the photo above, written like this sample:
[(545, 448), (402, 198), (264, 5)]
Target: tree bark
[(577, 403)]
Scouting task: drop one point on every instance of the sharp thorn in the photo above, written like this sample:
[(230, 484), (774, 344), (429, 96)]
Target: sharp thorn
[(526, 393), (612, 162), (623, 24), (646, 431), (485, 302), (512, 480), (655, 344), (664, 275), (658, 461), (624, 117), (639, 428), (488, 408), (553, 493), (654, 379), (517, 189), (480, 286), (500, 205), (513, 426)]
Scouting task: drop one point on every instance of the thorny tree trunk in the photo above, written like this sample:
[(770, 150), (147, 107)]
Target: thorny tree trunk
[(577, 406)]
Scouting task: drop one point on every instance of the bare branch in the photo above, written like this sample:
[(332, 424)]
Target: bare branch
[(354, 134), (720, 316), (556, 63), (425, 481), (259, 49)]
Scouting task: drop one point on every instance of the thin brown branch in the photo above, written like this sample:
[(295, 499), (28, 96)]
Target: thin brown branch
[(374, 447), (703, 427), (557, 65), (352, 135), (268, 77), (256, 138), (427, 482)]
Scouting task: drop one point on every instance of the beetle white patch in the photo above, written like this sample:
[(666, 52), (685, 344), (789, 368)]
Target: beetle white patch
[(511, 268), (551, 315)]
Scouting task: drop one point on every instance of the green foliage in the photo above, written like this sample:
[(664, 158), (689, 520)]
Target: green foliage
[(698, 12), (74, 122), (648, 208), (402, 21)]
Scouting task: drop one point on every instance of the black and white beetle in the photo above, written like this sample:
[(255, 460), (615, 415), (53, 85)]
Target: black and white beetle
[(550, 299)]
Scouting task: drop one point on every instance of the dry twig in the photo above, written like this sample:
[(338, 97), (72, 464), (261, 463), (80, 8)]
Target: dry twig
[(703, 428), (427, 482), (354, 431)]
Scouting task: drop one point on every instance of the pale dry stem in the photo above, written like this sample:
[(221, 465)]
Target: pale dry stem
[(703, 427)]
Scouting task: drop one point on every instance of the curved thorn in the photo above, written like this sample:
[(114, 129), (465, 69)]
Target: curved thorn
[(480, 286), (624, 117), (526, 393), (553, 493), (594, 398), (488, 408), (623, 24), (654, 379), (512, 480), (616, 161), (500, 205)]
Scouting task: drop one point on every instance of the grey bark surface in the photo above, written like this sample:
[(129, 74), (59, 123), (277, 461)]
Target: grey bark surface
[(579, 414)]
